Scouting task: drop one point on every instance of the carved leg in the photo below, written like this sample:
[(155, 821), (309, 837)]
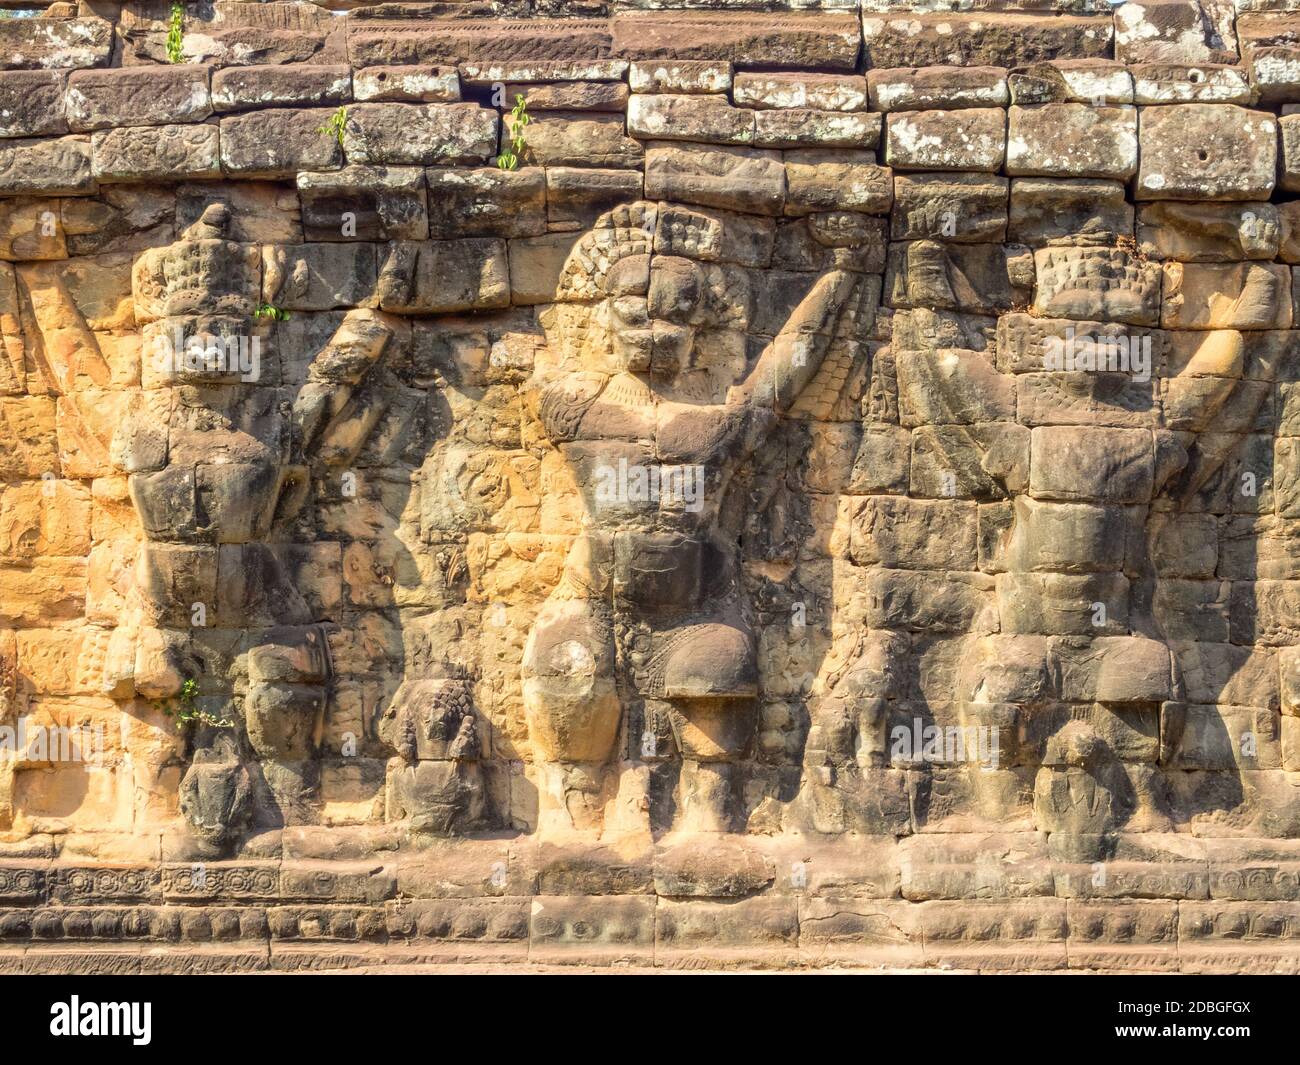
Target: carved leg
[(573, 710), (711, 734), (708, 677), (283, 710)]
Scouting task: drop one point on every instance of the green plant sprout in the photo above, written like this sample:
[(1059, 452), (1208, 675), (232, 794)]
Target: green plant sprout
[(270, 310), (187, 712), (176, 33), (519, 118), (337, 123)]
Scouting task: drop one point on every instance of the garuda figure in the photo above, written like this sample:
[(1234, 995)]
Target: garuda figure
[(648, 396)]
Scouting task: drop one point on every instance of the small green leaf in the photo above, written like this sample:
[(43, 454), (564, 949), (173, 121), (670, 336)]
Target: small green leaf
[(176, 33)]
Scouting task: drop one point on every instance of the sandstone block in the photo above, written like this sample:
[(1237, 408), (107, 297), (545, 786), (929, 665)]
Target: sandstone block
[(686, 75), (571, 96), (1072, 140), (406, 84), (1174, 83), (1097, 284), (1207, 152), (364, 203), (31, 103), (489, 73), (1175, 31), (936, 88), (1275, 72), (965, 208), (1063, 604), (1091, 465), (277, 144), (820, 40), (423, 134), (479, 44), (577, 195), (794, 128), (616, 929), (41, 591), (51, 167), (972, 39), (30, 229), (832, 180), (46, 44), (318, 277), (951, 387), (486, 202), (137, 96), (158, 153), (738, 179), (1196, 232), (1226, 296), (913, 534), (1098, 82), (706, 119), (535, 266), (437, 277), (1068, 211), (576, 138), (969, 139), (45, 517), (818, 92), (971, 278), (293, 85)]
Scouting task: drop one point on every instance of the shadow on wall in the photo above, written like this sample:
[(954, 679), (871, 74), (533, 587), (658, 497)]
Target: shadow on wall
[(378, 521), (1079, 523)]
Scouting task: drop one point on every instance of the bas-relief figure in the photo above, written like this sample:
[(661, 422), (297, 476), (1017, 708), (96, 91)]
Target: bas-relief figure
[(680, 548), (643, 658), (219, 457), (647, 373), (649, 338), (1091, 486)]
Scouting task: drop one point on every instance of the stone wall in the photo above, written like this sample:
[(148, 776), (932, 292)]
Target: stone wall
[(752, 484)]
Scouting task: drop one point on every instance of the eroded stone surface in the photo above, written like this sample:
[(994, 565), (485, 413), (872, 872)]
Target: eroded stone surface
[(828, 496)]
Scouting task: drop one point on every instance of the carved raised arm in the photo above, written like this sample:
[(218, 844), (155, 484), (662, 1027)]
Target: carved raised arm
[(333, 414), (792, 360)]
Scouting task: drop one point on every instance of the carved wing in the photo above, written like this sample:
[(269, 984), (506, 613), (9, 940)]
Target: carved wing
[(846, 361)]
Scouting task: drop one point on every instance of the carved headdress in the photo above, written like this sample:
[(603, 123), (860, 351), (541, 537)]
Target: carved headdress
[(635, 229), (577, 324)]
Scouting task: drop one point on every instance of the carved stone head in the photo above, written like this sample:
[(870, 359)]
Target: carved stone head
[(654, 289)]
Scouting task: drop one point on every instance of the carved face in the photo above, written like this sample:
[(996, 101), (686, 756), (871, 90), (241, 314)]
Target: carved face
[(656, 302)]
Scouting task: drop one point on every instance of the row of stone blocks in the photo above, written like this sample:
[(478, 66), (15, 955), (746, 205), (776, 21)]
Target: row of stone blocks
[(840, 35), (378, 865), (649, 931), (1177, 151), (46, 102)]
